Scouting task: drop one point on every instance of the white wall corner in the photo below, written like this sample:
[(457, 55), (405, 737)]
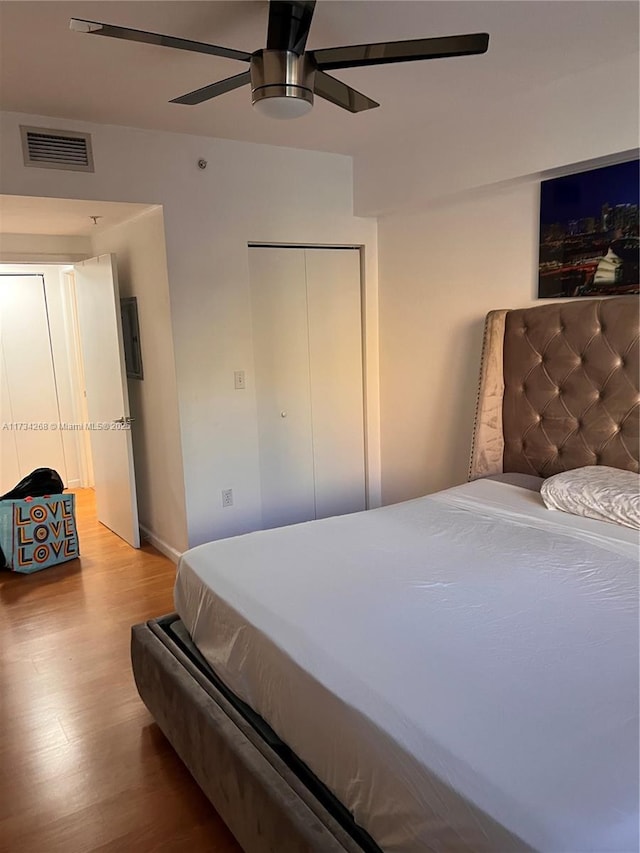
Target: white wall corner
[(160, 545)]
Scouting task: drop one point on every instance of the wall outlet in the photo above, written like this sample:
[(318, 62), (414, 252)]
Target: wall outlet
[(238, 380), (227, 497)]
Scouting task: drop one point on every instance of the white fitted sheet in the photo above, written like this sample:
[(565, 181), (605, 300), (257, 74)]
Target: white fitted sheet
[(461, 670)]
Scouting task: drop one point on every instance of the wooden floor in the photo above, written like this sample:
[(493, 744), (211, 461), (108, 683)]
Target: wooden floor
[(82, 765)]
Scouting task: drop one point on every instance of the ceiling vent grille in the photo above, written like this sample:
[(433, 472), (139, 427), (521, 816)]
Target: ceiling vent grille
[(56, 149)]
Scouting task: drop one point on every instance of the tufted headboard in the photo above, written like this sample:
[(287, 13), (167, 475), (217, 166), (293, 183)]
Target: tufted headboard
[(559, 388)]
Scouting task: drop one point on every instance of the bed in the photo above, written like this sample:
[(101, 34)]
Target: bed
[(458, 672)]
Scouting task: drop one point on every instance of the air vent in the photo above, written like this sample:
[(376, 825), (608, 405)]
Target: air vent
[(56, 149)]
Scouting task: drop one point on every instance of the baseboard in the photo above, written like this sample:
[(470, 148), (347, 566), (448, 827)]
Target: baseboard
[(160, 544)]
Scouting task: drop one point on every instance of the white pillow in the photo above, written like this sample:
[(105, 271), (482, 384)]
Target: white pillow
[(596, 491)]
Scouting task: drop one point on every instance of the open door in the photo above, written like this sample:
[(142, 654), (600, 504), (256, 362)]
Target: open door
[(100, 328)]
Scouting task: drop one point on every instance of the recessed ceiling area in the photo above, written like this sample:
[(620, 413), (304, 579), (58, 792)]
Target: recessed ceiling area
[(46, 69), (62, 217)]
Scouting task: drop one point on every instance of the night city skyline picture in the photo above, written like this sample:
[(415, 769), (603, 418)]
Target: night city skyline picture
[(589, 243)]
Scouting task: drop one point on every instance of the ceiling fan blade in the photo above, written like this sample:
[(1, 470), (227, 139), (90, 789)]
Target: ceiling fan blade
[(289, 25), (340, 94), (213, 90), (356, 55), (97, 29)]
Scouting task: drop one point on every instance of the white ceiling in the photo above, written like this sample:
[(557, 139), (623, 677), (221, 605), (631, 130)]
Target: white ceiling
[(60, 216), (48, 70)]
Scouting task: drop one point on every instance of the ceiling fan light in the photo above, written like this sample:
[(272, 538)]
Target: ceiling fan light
[(281, 83), (283, 106)]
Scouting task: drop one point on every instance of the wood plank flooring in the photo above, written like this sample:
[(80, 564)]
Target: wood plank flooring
[(83, 767)]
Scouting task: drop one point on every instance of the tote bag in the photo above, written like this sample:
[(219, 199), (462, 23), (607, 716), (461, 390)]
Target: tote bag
[(38, 533)]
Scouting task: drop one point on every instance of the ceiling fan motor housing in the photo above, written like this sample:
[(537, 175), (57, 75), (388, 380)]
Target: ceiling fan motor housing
[(281, 74)]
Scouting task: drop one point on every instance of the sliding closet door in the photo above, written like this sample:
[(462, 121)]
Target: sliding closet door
[(308, 375), (335, 362), (28, 394), (283, 396)]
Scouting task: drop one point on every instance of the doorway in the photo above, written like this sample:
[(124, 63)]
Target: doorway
[(50, 402), (39, 231)]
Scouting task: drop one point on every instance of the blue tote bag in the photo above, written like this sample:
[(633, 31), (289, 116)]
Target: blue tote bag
[(38, 533)]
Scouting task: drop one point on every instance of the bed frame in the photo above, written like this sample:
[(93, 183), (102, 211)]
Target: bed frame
[(261, 792), (558, 390)]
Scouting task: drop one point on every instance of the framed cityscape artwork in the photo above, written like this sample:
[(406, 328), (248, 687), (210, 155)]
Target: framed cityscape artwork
[(589, 244)]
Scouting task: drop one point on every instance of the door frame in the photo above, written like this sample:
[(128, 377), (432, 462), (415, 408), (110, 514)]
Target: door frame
[(85, 457)]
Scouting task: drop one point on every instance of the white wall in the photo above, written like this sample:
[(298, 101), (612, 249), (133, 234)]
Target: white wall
[(440, 272), (142, 272), (459, 238), (247, 193)]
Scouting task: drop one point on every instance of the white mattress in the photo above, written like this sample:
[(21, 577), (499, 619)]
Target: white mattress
[(461, 670)]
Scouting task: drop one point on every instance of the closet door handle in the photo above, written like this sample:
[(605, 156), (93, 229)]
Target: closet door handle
[(283, 414)]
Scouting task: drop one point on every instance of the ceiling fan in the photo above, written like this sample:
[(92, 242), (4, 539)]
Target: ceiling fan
[(284, 76)]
